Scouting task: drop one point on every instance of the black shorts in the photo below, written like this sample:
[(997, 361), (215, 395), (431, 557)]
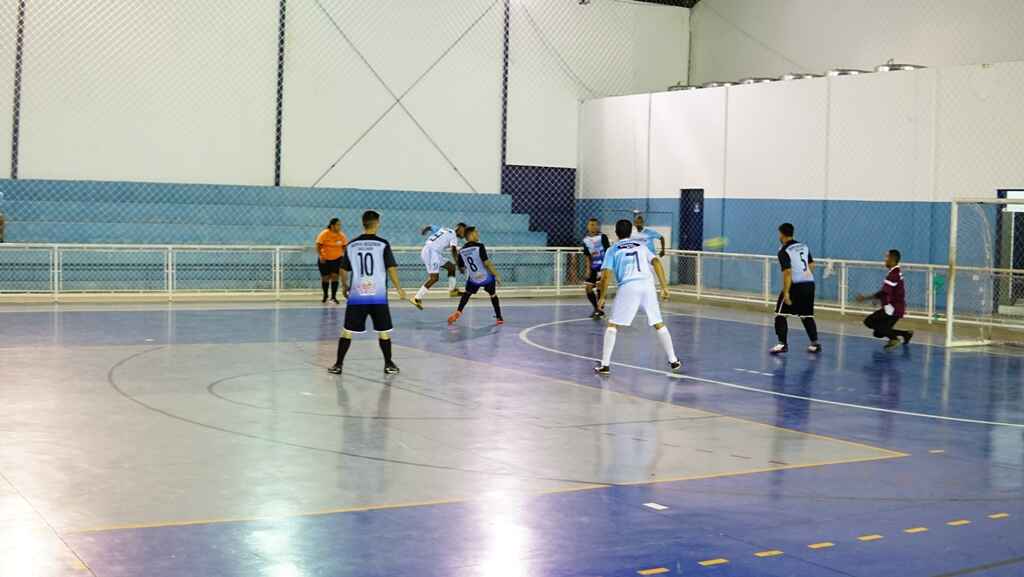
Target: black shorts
[(593, 276), (355, 318), (490, 287), (880, 323), (802, 297), (329, 267)]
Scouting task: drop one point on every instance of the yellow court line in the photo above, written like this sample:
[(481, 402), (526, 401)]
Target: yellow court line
[(655, 571), (959, 523), (999, 516), (771, 553), (712, 562), (822, 545), (867, 538), (914, 530)]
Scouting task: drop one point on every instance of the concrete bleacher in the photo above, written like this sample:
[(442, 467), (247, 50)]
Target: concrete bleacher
[(89, 212)]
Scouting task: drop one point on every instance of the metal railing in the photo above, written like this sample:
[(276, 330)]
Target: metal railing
[(56, 271)]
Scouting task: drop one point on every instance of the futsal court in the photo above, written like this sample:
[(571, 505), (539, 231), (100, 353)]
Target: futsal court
[(171, 440)]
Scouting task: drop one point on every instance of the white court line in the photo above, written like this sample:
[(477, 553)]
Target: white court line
[(524, 336)]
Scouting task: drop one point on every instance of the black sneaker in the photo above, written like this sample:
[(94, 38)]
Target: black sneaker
[(676, 365), (892, 344), (907, 337), (391, 369), (600, 315), (594, 315), (814, 348), (324, 301), (603, 370), (335, 370)]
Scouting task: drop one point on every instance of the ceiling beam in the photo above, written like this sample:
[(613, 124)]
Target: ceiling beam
[(680, 3)]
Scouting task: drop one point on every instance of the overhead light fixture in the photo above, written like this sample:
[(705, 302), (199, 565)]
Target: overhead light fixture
[(756, 80), (890, 66), (845, 72), (799, 76), (717, 84), (679, 86)]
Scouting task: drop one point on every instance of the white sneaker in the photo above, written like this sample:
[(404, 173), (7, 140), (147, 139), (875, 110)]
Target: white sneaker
[(778, 349)]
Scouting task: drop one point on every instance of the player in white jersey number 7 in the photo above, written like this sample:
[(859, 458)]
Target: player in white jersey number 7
[(632, 264)]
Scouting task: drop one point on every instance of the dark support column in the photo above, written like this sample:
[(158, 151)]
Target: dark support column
[(19, 50), (504, 92), (280, 90)]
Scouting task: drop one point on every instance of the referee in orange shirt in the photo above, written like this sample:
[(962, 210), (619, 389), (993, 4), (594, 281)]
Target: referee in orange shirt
[(330, 247)]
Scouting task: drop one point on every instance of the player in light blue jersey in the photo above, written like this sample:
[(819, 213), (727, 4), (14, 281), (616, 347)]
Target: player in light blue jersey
[(482, 275), (633, 267), (648, 235), (370, 263)]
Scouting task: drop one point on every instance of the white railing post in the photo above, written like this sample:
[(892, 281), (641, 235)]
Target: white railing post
[(699, 266), (843, 287), (767, 281), (954, 209), (169, 272), (558, 272), (277, 273), (55, 272), (931, 295)]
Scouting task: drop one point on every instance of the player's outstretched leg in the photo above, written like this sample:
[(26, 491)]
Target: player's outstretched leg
[(343, 345), (452, 291), (782, 332), (592, 297), (665, 338), (454, 318), (496, 304), (812, 334), (420, 294), (606, 352), (384, 340)]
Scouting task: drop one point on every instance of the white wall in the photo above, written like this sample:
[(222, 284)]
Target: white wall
[(118, 90), (8, 31), (733, 39), (562, 53), (926, 135), (450, 89)]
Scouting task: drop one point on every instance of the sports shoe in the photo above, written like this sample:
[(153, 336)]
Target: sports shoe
[(676, 365), (814, 348), (416, 303), (778, 349), (499, 322), (595, 315), (391, 369), (335, 301), (906, 339), (335, 370), (454, 293), (892, 344), (324, 301), (454, 318), (600, 314), (603, 369)]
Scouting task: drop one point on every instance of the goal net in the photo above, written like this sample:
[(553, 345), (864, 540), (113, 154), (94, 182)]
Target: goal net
[(984, 285)]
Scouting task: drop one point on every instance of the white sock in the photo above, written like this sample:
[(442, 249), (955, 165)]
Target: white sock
[(451, 283), (609, 346), (666, 343), (421, 293)]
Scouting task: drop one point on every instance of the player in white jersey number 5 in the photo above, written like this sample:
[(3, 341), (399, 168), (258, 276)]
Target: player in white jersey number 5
[(632, 264), (441, 243)]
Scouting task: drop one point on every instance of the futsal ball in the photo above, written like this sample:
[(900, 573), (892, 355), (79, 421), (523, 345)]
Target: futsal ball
[(717, 243)]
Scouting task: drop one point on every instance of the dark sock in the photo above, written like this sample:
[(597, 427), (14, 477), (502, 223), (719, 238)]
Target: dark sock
[(343, 345), (497, 307), (385, 347), (464, 300), (334, 290), (592, 297), (325, 285), (811, 327), (782, 329)]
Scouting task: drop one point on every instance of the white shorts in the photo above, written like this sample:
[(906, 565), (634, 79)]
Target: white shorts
[(630, 298), (432, 260)]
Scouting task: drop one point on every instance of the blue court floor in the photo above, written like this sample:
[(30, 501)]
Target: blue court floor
[(206, 441)]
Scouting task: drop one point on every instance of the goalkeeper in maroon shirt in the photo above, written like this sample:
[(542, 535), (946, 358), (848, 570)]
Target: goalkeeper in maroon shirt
[(894, 304)]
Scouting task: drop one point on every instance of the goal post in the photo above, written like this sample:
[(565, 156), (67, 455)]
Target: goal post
[(984, 283)]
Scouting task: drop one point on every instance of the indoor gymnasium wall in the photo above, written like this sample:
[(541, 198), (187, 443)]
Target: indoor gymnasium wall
[(116, 91), (734, 39), (859, 164), (8, 35)]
